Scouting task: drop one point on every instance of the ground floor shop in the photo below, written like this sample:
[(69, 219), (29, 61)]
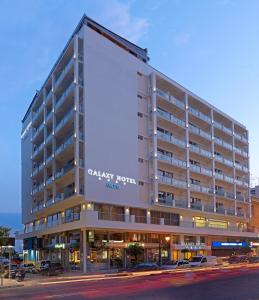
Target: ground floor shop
[(94, 250)]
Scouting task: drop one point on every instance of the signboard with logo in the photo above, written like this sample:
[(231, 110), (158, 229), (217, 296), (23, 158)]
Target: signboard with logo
[(229, 245)]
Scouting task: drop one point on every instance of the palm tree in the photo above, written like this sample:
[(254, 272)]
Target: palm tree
[(135, 250)]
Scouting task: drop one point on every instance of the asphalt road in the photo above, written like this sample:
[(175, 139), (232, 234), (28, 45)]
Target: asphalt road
[(237, 284)]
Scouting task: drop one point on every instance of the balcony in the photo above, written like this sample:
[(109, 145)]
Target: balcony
[(224, 160), (240, 197), (170, 139), (111, 216), (224, 194), (167, 116), (199, 132), (201, 188), (64, 146), (199, 114), (172, 181), (36, 113), (37, 150), (222, 143), (222, 127), (64, 121), (197, 206), (67, 167), (48, 96), (241, 152), (168, 201), (224, 177), (48, 138), (48, 116), (48, 159), (241, 167), (38, 169), (240, 137), (37, 130), (170, 98), (199, 150), (49, 180), (171, 160), (38, 188), (241, 183), (64, 72), (64, 96), (200, 170)]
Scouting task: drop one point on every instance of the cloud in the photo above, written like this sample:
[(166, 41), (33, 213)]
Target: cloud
[(117, 17), (182, 38)]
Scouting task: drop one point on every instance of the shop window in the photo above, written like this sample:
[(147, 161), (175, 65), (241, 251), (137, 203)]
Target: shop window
[(72, 214), (199, 221), (220, 224)]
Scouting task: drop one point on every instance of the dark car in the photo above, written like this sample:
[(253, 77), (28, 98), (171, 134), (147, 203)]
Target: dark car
[(253, 259), (237, 259), (148, 266), (52, 269)]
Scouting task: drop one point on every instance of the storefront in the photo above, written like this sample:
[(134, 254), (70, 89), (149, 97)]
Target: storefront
[(222, 249)]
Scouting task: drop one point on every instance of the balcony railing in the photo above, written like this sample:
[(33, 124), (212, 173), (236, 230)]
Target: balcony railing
[(201, 170), (38, 149), (49, 180), (64, 170), (200, 132), (172, 160), (223, 143), (37, 130), (38, 188), (199, 150), (63, 122), (241, 183), (199, 114), (36, 113), (224, 177), (240, 197), (37, 169), (63, 97), (170, 98), (222, 127), (241, 137), (201, 188), (170, 117), (172, 181), (111, 216), (241, 167), (171, 139), (241, 152), (224, 160), (48, 96), (225, 194), (64, 72), (63, 146)]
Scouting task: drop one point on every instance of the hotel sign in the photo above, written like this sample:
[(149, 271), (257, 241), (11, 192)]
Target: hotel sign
[(113, 181)]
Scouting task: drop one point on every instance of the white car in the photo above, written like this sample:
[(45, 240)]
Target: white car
[(178, 264), (203, 261)]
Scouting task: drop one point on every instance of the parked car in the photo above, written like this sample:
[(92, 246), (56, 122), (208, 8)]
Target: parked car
[(202, 261), (177, 264), (147, 266), (253, 259), (28, 268), (52, 269), (13, 270), (42, 264), (237, 259)]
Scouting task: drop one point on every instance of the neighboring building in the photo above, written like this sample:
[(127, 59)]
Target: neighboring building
[(255, 191), (254, 220), (114, 153)]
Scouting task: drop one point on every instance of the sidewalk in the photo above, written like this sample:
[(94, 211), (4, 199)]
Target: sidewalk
[(10, 284)]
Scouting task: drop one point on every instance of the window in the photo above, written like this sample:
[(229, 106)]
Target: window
[(140, 97), (140, 115), (140, 137), (141, 183), (140, 160), (72, 214), (195, 181), (194, 162), (218, 171), (139, 74)]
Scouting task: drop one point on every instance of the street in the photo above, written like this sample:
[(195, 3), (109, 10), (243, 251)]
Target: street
[(233, 283)]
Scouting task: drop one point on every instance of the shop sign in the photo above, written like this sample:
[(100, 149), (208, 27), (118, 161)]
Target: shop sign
[(60, 246), (254, 244), (113, 180), (229, 244)]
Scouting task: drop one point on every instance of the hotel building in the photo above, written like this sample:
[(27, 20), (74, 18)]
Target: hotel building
[(115, 153)]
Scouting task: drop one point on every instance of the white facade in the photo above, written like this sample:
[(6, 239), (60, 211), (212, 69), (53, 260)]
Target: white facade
[(131, 149)]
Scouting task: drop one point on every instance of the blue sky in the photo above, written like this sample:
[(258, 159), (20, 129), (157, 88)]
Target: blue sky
[(210, 47)]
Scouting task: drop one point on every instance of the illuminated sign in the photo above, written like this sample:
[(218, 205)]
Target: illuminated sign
[(111, 177), (254, 244), (229, 244), (60, 246)]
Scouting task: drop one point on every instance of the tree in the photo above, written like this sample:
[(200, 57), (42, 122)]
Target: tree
[(4, 233), (135, 250)]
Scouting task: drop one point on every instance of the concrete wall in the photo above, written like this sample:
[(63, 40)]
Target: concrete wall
[(111, 120)]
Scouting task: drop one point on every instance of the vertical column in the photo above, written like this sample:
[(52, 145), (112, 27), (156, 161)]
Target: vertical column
[(76, 116), (188, 180), (84, 251), (44, 141), (84, 99), (53, 163), (234, 169), (154, 136), (248, 165), (213, 160)]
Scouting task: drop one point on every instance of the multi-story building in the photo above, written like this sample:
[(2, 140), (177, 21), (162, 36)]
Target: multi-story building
[(114, 152)]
